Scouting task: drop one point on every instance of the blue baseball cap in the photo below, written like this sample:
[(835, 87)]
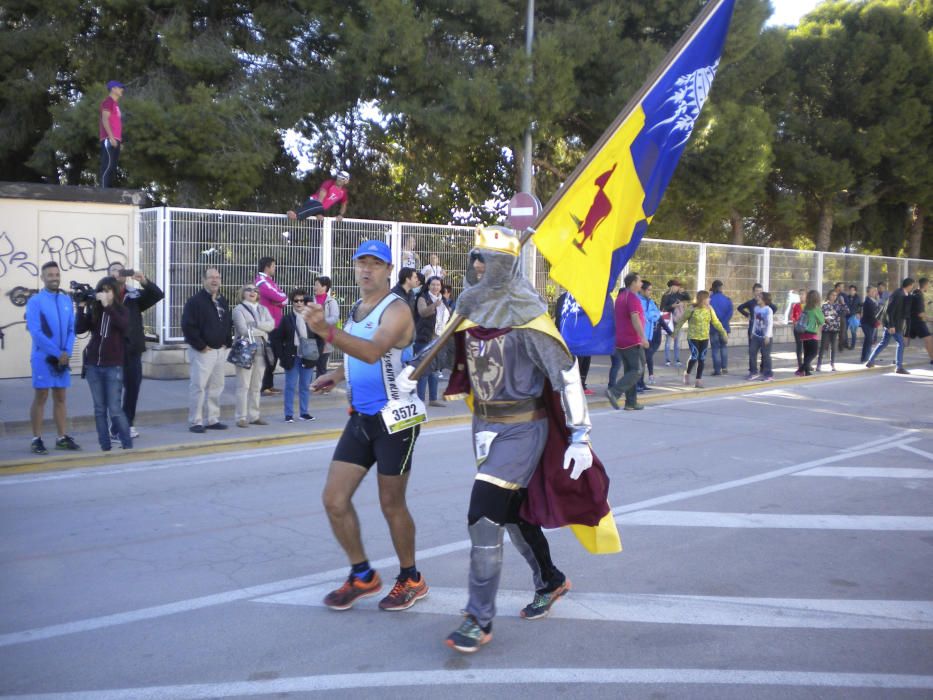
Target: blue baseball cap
[(378, 249), (115, 83)]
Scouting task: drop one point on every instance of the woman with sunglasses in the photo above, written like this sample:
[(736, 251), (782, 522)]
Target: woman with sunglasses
[(251, 319), (286, 340)]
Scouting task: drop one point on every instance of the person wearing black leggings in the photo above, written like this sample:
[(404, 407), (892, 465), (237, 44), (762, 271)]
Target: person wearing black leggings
[(811, 336), (700, 315)]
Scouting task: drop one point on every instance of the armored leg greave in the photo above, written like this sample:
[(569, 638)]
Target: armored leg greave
[(485, 569)]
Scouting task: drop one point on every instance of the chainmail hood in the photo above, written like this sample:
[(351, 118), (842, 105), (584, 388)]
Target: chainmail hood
[(503, 298)]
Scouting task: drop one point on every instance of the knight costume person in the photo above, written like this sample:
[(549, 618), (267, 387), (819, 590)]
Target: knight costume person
[(509, 355)]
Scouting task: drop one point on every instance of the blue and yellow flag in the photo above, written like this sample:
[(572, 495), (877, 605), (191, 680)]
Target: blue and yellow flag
[(592, 227)]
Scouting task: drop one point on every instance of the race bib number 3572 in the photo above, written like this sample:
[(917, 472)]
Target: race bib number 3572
[(403, 413)]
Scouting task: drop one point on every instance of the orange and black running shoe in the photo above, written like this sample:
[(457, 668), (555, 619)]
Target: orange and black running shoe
[(404, 594), (352, 590)]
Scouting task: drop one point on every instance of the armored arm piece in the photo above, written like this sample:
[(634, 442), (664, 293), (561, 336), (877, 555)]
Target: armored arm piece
[(564, 372), (575, 407)]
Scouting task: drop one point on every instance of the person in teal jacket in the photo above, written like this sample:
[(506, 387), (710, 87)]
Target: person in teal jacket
[(50, 319), (812, 316)]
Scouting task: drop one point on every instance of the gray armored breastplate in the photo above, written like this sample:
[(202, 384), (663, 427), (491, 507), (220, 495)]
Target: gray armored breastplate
[(501, 369)]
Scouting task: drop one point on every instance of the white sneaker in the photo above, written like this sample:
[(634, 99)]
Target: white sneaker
[(133, 432)]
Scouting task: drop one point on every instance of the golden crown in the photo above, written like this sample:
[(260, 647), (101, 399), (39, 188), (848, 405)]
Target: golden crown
[(497, 238)]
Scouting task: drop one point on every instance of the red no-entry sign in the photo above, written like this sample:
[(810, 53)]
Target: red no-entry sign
[(524, 209)]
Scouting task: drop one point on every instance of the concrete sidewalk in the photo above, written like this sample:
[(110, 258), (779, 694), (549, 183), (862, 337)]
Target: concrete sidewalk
[(162, 412)]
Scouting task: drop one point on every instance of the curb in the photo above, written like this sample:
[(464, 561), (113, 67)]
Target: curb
[(34, 464), (66, 461)]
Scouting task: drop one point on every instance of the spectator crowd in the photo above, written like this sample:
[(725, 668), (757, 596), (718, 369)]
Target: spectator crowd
[(264, 328)]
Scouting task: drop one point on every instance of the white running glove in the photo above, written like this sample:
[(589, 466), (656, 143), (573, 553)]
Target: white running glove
[(579, 454), (404, 382)]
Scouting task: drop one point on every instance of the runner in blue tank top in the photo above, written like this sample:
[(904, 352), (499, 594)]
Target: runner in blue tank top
[(376, 342)]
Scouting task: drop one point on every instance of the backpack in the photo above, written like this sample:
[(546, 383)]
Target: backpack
[(800, 325)]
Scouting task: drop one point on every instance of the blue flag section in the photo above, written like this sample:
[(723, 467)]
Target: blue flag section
[(670, 109), (673, 105)]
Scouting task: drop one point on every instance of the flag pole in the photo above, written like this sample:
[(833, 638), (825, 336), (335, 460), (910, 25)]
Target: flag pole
[(428, 357)]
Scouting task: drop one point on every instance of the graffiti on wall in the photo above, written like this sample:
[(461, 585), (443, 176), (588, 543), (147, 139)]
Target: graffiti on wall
[(84, 252), (13, 259), (87, 253), (79, 253)]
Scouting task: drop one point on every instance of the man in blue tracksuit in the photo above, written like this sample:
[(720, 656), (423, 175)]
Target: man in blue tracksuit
[(722, 306), (50, 319)]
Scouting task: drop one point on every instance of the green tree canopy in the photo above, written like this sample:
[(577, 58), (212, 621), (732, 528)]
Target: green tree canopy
[(821, 131)]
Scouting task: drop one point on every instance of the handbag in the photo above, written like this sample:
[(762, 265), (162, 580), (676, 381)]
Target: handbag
[(268, 352), (308, 350), (800, 325), (242, 351)]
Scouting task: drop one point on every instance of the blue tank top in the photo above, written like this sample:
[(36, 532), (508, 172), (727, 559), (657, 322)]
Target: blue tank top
[(371, 386)]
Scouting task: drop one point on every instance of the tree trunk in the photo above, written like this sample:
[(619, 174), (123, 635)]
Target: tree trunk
[(824, 234), (915, 242), (738, 228)]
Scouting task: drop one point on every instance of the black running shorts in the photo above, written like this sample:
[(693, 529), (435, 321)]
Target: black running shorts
[(365, 441), (918, 329)]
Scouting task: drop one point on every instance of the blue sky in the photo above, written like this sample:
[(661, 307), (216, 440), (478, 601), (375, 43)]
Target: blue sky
[(790, 11)]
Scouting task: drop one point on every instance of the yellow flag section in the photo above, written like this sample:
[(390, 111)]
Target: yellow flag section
[(604, 537), (594, 217)]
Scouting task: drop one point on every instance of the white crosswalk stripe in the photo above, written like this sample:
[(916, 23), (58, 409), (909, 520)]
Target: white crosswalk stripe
[(815, 613), (869, 472), (690, 518)]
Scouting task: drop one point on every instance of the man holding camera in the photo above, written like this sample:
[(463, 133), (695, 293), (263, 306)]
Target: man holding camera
[(136, 300), (50, 319)]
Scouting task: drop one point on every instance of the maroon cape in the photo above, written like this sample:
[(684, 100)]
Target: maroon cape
[(554, 499)]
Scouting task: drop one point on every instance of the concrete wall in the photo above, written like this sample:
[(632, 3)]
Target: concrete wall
[(82, 229)]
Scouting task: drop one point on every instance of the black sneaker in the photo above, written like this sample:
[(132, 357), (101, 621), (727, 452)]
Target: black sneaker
[(38, 447), (66, 442), (289, 419), (197, 428), (306, 417), (217, 426)]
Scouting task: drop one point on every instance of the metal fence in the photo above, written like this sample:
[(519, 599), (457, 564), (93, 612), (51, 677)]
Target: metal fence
[(175, 246)]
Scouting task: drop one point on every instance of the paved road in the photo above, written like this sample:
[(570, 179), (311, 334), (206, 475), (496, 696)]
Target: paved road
[(777, 544)]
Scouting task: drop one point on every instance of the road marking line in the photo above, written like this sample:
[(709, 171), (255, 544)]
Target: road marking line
[(869, 444), (690, 518), (502, 676), (869, 472), (231, 596), (207, 601), (766, 476), (916, 451), (816, 613)]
